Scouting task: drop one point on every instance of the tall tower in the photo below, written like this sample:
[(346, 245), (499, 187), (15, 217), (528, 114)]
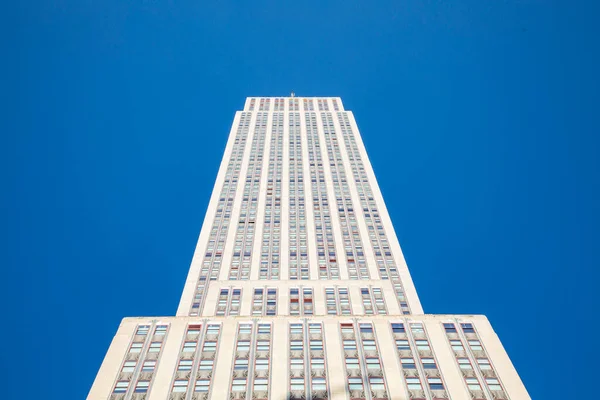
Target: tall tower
[(298, 288)]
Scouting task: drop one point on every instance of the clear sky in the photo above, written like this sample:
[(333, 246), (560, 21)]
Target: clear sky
[(480, 117)]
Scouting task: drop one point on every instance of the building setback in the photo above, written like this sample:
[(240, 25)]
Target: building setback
[(298, 288)]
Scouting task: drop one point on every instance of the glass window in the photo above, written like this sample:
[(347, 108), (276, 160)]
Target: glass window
[(435, 384), (129, 366), (355, 384), (136, 347), (493, 383), (475, 345), (422, 345), (402, 344), (149, 366), (473, 384), (408, 363), (238, 385), (484, 363), (376, 383), (413, 383), (142, 386), (206, 365), (464, 363), (202, 385), (428, 363), (318, 383), (180, 385), (297, 363), (297, 383), (121, 386)]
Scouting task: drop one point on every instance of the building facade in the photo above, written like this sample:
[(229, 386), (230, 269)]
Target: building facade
[(298, 288)]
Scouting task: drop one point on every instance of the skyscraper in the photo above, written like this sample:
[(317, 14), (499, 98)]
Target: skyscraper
[(298, 287)]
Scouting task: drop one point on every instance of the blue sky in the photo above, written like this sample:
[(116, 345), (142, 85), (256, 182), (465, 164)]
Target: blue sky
[(480, 118)]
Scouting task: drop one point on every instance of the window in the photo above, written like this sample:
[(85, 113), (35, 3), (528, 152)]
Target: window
[(185, 365), (262, 364), (355, 384), (398, 328), (352, 363), (317, 363), (457, 345), (467, 328), (473, 384), (297, 363), (160, 330), (484, 363), (180, 385), (493, 383), (408, 363), (260, 384), (376, 383), (238, 385), (121, 387), (369, 345), (212, 330), (318, 383), (202, 385), (422, 345), (262, 345), (193, 330), (154, 347), (142, 330), (349, 344), (413, 383), (129, 366), (373, 363), (475, 345), (189, 347), (402, 344), (450, 328), (316, 345), (206, 365), (142, 386), (210, 346), (435, 384), (296, 345), (297, 383), (464, 363), (149, 366), (416, 328), (136, 347), (241, 364), (428, 363)]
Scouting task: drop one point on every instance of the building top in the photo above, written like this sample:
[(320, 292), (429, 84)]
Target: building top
[(293, 103)]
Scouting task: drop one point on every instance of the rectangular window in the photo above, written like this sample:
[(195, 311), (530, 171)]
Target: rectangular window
[(202, 385), (398, 328), (318, 384), (493, 383), (161, 330), (142, 386), (355, 384), (402, 344), (376, 383), (185, 365), (238, 385), (475, 345), (121, 387), (450, 328), (129, 366), (428, 363), (154, 347), (484, 364), (206, 365), (142, 330), (413, 384), (464, 363), (408, 363), (435, 384), (473, 383), (189, 347), (297, 384), (136, 347), (149, 366), (467, 328)]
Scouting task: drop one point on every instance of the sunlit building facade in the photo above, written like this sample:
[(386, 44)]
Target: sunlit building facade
[(298, 288)]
